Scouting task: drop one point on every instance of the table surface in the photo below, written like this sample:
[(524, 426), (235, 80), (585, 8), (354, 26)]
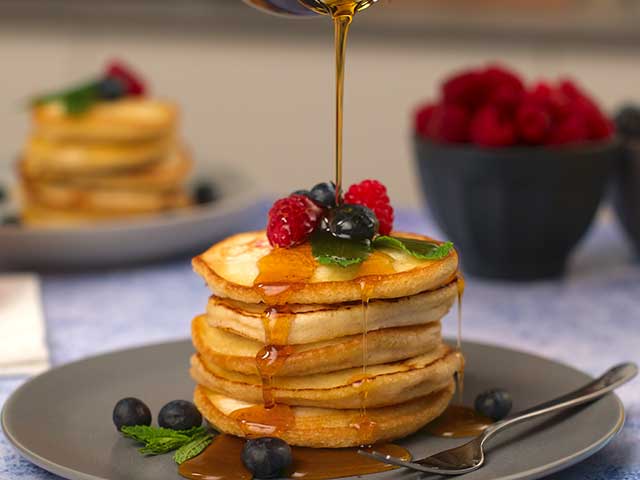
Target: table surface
[(590, 319)]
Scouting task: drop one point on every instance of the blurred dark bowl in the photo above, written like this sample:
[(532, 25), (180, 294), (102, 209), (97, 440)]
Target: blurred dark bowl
[(626, 190), (514, 213)]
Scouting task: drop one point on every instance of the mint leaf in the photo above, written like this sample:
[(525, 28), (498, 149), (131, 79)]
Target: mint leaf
[(331, 250), (421, 249), (159, 446), (192, 449), (143, 433), (159, 440), (76, 99)]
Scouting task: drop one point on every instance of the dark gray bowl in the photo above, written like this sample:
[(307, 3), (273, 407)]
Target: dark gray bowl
[(514, 213), (626, 190)]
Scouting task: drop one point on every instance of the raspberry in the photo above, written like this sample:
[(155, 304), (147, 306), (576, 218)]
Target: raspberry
[(467, 89), (573, 129), (449, 124), (291, 221), (490, 129), (540, 94), (505, 89), (533, 123), (373, 194), (134, 85), (497, 75), (599, 126), (507, 97), (570, 90), (422, 119)]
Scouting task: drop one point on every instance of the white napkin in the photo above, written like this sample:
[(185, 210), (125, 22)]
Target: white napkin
[(23, 348)]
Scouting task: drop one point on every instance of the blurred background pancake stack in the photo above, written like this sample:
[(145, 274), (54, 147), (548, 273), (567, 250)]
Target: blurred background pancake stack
[(287, 347), (101, 151)]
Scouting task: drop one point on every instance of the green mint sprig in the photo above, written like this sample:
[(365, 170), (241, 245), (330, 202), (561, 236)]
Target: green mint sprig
[(422, 249), (329, 249), (76, 100), (158, 441), (192, 449)]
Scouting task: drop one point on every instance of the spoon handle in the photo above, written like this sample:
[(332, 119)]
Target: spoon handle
[(612, 379)]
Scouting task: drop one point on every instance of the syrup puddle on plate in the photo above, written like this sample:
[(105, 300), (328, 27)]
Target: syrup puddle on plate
[(221, 461)]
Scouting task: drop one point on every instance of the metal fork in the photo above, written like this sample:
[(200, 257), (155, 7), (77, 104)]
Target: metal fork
[(470, 456)]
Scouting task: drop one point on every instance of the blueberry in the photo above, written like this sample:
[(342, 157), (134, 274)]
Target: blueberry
[(111, 88), (129, 412), (267, 457), (10, 220), (354, 222), (495, 404), (627, 121), (204, 193), (179, 415), (324, 194), (306, 193), (324, 224)]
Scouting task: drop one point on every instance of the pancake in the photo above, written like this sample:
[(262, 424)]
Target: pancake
[(236, 353), (167, 174), (230, 269), (37, 215), (127, 120), (331, 428), (108, 201), (44, 159), (315, 323), (386, 384)]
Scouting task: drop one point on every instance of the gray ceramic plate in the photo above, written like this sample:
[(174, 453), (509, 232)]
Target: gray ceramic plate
[(61, 420), (143, 239)]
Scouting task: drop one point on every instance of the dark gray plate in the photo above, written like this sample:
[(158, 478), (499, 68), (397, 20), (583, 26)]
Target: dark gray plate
[(61, 420), (136, 240)]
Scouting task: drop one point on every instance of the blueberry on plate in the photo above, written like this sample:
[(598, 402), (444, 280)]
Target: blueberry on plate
[(354, 222), (204, 193), (111, 88), (130, 412), (324, 194), (495, 404), (267, 457), (179, 415)]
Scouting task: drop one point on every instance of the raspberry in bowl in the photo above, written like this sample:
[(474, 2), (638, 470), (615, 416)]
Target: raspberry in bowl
[(513, 172)]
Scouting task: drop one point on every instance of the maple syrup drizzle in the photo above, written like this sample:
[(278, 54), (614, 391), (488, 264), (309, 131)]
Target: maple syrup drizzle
[(364, 425), (280, 273), (221, 461), (271, 358), (342, 18), (460, 283), (458, 421)]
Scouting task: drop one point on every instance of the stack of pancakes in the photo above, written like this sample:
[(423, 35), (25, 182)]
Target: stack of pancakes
[(118, 159), (354, 355)]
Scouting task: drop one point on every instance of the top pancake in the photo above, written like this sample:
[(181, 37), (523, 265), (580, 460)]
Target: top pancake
[(126, 120), (231, 270)]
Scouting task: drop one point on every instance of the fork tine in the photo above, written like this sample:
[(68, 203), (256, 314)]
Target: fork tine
[(391, 460)]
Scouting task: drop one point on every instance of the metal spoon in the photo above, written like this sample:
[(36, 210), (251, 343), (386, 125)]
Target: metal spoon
[(470, 456)]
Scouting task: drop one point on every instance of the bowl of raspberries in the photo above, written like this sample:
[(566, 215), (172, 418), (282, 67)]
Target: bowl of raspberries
[(626, 184), (513, 172)]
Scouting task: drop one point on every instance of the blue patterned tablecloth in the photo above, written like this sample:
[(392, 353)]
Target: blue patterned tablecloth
[(590, 319)]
